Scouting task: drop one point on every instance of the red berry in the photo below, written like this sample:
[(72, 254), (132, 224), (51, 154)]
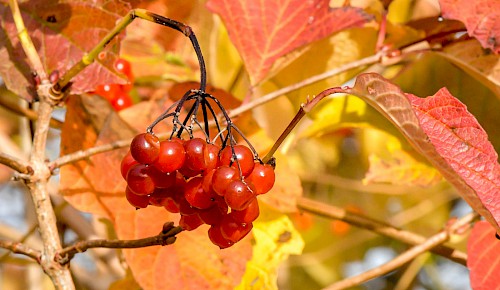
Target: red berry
[(138, 201), (213, 215), (108, 91), (171, 156), (160, 179), (244, 157), (159, 196), (185, 207), (207, 182), (239, 195), (145, 148), (222, 177), (215, 235), (262, 177), (139, 180), (121, 101), (234, 231), (196, 196), (195, 154), (211, 157), (247, 215), (123, 66), (127, 162), (190, 222), (171, 205)]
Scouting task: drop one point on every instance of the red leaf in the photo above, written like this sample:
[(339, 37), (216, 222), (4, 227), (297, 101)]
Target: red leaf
[(264, 31), (61, 33), (441, 129), (481, 17), (483, 261)]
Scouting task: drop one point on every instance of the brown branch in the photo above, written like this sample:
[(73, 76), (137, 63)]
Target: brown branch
[(30, 114), (166, 237), (405, 257), (20, 248), (15, 163), (376, 226)]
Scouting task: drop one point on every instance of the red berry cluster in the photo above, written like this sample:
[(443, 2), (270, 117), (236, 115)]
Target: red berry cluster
[(118, 95), (203, 182)]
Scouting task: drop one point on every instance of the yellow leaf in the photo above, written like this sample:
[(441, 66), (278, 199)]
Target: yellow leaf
[(401, 169), (275, 239)]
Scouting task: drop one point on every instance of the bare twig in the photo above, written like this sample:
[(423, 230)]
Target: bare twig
[(166, 237), (405, 257), (20, 248), (26, 43), (376, 226), (15, 163)]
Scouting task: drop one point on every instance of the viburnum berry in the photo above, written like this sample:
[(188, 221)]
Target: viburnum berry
[(195, 154), (196, 196), (234, 231), (190, 222), (244, 158), (145, 148), (121, 100), (171, 156), (127, 162), (137, 201), (215, 235), (124, 67), (211, 157), (139, 181), (262, 177), (239, 194), (247, 215), (222, 177)]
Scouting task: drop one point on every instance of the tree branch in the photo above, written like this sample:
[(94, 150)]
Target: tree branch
[(15, 163), (166, 237), (20, 248), (405, 257), (376, 226)]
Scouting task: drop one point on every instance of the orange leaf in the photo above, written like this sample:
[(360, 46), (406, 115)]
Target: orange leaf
[(483, 250), (264, 31)]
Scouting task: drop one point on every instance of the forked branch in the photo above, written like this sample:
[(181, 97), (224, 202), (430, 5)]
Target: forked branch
[(166, 237)]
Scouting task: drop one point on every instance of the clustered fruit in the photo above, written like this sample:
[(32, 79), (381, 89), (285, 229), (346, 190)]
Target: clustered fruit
[(203, 182), (118, 95)]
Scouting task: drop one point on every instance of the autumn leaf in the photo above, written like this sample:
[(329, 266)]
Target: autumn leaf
[(61, 33), (481, 17), (441, 129), (483, 250), (264, 33), (192, 262)]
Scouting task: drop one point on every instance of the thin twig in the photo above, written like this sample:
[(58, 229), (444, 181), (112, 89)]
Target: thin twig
[(26, 43), (166, 237), (30, 114), (20, 248), (405, 257), (376, 226), (15, 163)]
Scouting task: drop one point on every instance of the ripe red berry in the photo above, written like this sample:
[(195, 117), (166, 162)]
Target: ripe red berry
[(239, 194), (138, 201), (247, 215), (160, 179), (262, 177), (124, 67), (234, 231), (222, 177), (145, 148), (121, 100), (171, 205), (196, 196), (215, 235), (213, 215), (159, 196), (244, 158), (139, 180), (211, 157), (195, 154), (108, 91), (171, 156), (190, 222), (127, 162)]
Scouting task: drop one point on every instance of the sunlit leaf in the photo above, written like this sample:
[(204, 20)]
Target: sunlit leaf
[(263, 33), (275, 239), (483, 250), (61, 32), (442, 130), (481, 17), (400, 169)]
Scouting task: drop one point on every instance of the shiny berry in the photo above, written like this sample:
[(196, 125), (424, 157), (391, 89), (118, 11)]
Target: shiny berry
[(190, 222), (244, 158), (127, 162), (137, 201), (248, 215), (171, 156), (145, 148), (139, 180), (262, 177), (222, 177), (215, 235), (239, 194), (234, 231)]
